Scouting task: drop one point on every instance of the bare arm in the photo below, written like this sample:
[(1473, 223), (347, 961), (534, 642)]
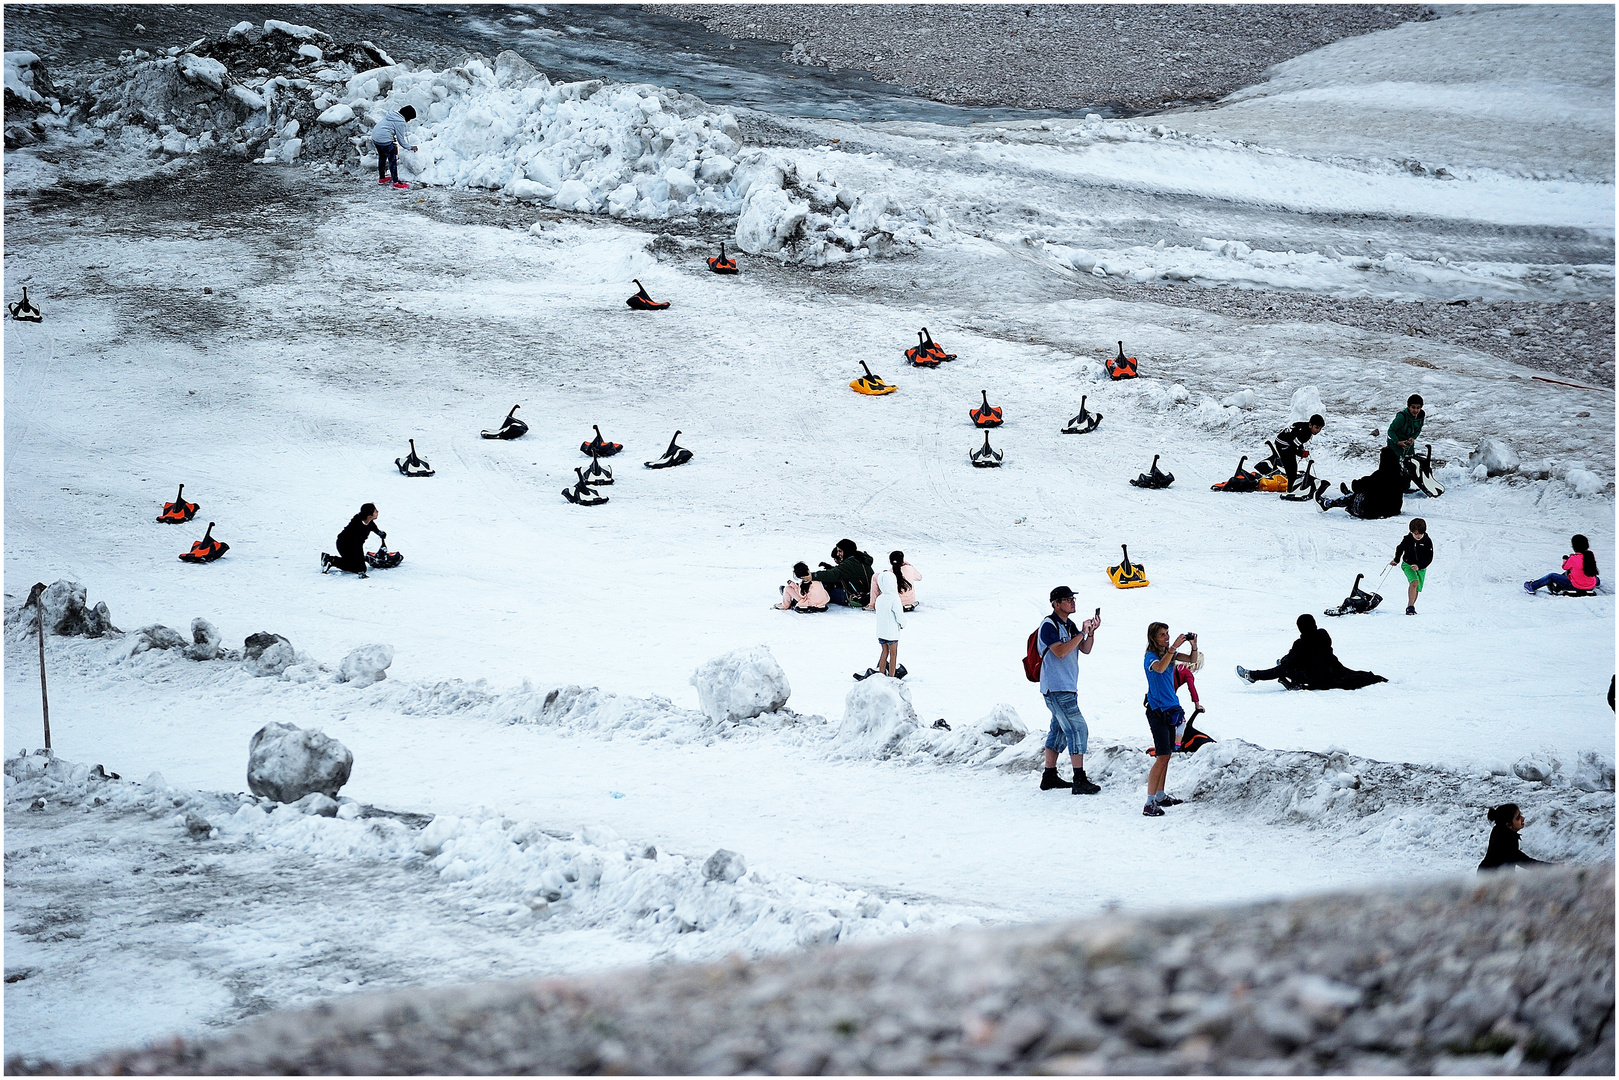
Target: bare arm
[(1170, 657)]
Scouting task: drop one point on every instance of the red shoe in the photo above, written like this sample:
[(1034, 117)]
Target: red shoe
[(400, 184), (382, 179)]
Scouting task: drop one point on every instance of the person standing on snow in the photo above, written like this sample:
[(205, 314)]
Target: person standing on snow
[(389, 136), (890, 617), (1061, 642), (1290, 445), (1164, 712), (350, 555), (1413, 556)]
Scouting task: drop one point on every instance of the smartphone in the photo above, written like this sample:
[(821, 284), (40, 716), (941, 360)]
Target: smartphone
[(1098, 614)]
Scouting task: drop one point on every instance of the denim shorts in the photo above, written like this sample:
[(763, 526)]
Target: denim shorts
[(1067, 723), (885, 641), (1162, 723)]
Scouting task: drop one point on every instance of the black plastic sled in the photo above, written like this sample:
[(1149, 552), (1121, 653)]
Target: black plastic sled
[(1241, 479), (510, 428), (599, 447), (1191, 740), (598, 473), (1303, 488), (1358, 602), (24, 311), (582, 494), (1153, 478), (675, 455), (1085, 423), (411, 465), (382, 558), (1419, 474), (986, 456)]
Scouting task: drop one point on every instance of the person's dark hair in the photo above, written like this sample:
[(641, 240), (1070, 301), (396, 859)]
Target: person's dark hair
[(1582, 546), (896, 559), (1503, 814), (800, 569), (846, 546), (408, 112), (1317, 421), (1152, 635), (1414, 399), (367, 509), (1419, 526), (1305, 623)]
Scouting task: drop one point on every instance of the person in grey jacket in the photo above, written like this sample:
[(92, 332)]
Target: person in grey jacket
[(389, 136)]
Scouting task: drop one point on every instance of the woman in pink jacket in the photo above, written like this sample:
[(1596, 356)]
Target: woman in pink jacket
[(907, 595), (1579, 572)]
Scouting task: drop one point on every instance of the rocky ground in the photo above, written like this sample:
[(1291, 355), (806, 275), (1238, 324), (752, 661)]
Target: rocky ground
[(1052, 56), (1507, 974)]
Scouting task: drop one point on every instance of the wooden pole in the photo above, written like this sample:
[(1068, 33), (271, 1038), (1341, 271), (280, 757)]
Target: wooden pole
[(44, 700)]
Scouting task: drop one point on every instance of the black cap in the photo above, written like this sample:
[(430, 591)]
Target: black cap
[(1061, 592)]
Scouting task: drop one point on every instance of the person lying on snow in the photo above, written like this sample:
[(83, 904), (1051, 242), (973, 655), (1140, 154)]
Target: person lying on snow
[(1377, 495), (803, 593), (1311, 665), (350, 555), (849, 582)]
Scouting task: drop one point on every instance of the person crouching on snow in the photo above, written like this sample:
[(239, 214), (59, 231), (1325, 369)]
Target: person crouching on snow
[(389, 136), (350, 555), (803, 593)]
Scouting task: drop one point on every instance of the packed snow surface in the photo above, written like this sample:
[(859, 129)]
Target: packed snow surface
[(540, 779)]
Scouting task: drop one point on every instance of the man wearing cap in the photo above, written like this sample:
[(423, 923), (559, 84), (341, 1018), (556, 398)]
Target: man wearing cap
[(1060, 645), (1407, 425)]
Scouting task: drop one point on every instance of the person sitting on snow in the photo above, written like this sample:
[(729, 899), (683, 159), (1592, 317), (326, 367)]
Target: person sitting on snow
[(1579, 571), (802, 592), (388, 136), (1311, 665), (350, 555), (849, 582), (1378, 495), (907, 595)]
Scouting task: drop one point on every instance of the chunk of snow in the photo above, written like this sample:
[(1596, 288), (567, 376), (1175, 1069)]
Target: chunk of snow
[(366, 665), (311, 52), (337, 114), (573, 195), (1535, 767), (205, 640), (286, 763), (877, 717), (1242, 399), (1495, 456), (726, 866), (1306, 402), (204, 70), (741, 684), (302, 33), (155, 637), (529, 190), (768, 220)]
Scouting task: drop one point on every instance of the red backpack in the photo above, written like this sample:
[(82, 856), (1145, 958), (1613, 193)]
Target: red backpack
[(1033, 655)]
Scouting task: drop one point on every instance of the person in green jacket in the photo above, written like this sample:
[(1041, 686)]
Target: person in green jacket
[(1406, 427), (849, 582)]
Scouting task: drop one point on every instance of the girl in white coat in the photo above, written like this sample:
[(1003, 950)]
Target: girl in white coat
[(890, 612)]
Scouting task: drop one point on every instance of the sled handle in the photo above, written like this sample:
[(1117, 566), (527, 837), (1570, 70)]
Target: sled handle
[(869, 375), (671, 449)]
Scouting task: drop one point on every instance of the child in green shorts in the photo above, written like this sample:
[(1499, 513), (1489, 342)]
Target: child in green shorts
[(1413, 555)]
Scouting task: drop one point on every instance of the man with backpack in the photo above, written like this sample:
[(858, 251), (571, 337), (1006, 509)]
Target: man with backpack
[(1052, 659)]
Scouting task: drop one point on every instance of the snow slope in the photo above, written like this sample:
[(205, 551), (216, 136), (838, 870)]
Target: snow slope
[(346, 319)]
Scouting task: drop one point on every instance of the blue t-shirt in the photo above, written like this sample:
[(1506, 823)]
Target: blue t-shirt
[(1160, 684), (1057, 673)]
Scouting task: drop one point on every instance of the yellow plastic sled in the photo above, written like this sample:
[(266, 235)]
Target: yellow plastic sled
[(871, 384), (1127, 575)]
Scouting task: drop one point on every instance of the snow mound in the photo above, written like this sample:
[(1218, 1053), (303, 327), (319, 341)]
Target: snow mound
[(1305, 404), (65, 611), (205, 640), (878, 719), (366, 665), (726, 866), (741, 684), (267, 654), (286, 763), (1242, 399), (155, 637), (1496, 457)]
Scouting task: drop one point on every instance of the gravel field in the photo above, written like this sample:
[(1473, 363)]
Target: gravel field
[(1506, 974), (1134, 57)]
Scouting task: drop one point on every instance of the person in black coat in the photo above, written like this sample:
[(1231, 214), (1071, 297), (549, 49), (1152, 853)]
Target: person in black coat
[(351, 542), (1377, 495), (1503, 849), (1290, 444), (1413, 555), (1311, 664)]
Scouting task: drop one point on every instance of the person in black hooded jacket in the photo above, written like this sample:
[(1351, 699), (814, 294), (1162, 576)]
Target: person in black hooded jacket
[(1377, 495), (1503, 849), (1311, 664), (351, 542), (849, 582)]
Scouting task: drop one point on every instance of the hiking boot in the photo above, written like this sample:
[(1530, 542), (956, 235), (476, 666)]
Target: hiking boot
[(1168, 800), (1152, 809), (1242, 673), (1529, 587), (1083, 785), (1049, 779), (1410, 609)]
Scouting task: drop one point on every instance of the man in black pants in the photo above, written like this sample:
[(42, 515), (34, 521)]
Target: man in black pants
[(351, 543), (1311, 664)]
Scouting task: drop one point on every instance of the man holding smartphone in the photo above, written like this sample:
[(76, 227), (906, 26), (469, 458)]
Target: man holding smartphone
[(1061, 642)]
